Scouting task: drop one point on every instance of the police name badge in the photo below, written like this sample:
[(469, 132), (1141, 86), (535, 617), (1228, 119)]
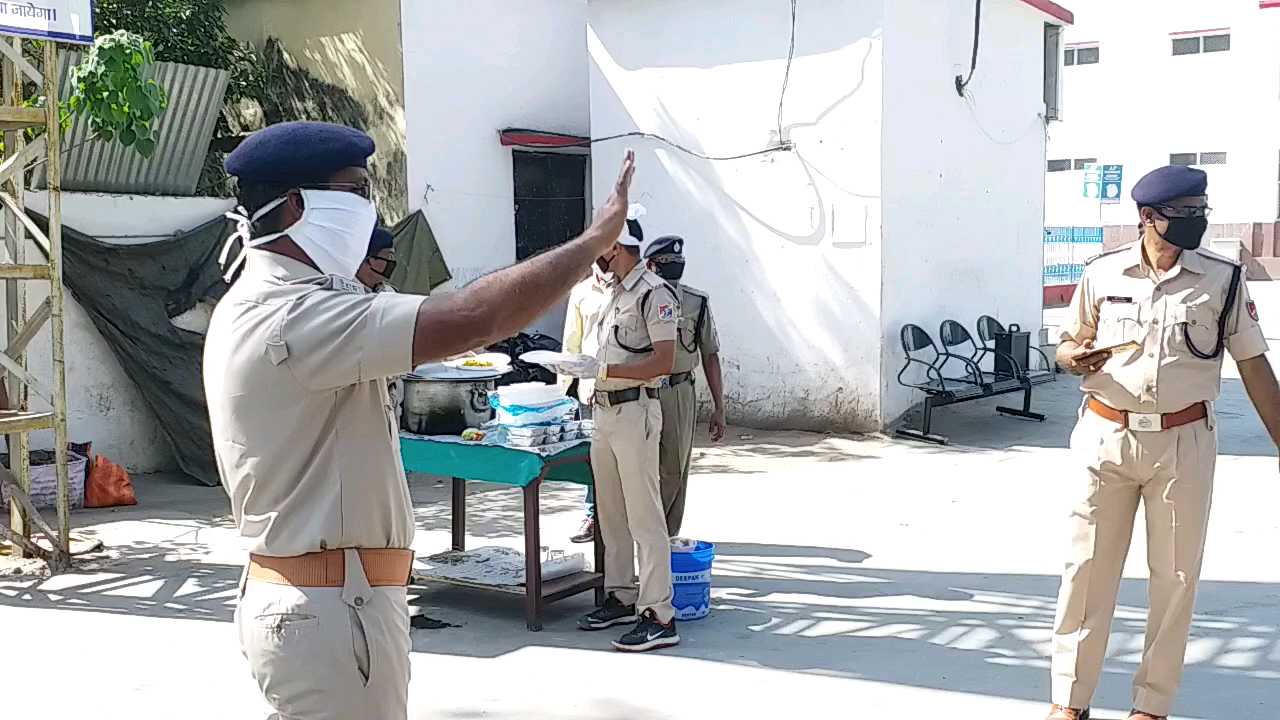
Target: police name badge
[(345, 285)]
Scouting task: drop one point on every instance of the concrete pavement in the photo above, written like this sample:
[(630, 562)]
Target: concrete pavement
[(855, 575)]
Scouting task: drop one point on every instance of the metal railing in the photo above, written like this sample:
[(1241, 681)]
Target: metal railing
[(1066, 249)]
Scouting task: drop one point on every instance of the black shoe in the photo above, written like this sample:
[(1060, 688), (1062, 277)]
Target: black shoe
[(648, 634), (586, 533), (613, 613)]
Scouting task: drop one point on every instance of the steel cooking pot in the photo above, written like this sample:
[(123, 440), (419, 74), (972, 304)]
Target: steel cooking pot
[(444, 401)]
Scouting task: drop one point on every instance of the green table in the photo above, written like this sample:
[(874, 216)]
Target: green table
[(517, 468)]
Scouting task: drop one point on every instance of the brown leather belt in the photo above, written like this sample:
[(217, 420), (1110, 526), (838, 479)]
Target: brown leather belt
[(383, 567), (1139, 421)]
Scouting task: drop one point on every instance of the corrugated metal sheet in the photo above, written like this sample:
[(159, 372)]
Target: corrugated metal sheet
[(184, 130)]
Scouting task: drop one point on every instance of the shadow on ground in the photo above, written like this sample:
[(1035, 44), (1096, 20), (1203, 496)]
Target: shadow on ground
[(800, 609), (162, 580), (493, 511), (819, 611)]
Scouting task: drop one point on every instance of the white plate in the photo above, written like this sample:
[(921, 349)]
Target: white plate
[(573, 364), (538, 357), (497, 363)]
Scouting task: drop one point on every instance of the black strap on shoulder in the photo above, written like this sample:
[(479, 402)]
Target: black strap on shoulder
[(692, 347), (644, 310), (644, 301), (1232, 291)]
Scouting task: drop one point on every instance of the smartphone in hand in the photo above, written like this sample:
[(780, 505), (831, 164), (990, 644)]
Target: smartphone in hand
[(1106, 353)]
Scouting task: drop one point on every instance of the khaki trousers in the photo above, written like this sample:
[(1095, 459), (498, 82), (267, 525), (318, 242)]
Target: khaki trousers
[(624, 461), (328, 653), (679, 422), (1171, 473)]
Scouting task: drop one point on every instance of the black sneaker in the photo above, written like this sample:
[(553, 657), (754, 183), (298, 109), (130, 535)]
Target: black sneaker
[(587, 533), (648, 634), (613, 613)]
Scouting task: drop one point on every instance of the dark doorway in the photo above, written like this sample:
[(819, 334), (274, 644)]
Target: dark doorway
[(551, 199)]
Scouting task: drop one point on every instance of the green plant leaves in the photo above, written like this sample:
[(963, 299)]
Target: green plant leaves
[(111, 90)]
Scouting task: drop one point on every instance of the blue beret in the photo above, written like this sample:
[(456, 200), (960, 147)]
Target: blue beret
[(665, 245), (298, 152), (1171, 181), (382, 239)]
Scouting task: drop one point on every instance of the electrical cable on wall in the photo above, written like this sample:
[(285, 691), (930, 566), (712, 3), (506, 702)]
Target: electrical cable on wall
[(651, 136), (1037, 123), (962, 83), (782, 144), (786, 74)]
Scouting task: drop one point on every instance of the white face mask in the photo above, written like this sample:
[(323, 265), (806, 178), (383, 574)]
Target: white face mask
[(333, 231), (602, 278)]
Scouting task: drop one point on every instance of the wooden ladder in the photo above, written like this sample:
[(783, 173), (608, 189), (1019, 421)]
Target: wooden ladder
[(17, 419)]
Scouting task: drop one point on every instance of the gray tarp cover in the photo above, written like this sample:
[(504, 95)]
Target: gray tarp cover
[(131, 292)]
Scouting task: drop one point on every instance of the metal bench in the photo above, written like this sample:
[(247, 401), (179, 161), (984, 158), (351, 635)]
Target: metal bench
[(941, 390)]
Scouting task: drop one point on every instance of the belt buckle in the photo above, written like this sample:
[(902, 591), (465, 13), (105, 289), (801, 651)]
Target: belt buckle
[(665, 382), (1145, 422)]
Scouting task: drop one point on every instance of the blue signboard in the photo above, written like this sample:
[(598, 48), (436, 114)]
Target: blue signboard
[(69, 21), (1112, 175)]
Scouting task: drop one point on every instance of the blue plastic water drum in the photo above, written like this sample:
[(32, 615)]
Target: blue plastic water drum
[(691, 581)]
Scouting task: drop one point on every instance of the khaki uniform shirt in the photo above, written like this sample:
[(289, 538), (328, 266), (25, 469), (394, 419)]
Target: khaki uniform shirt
[(694, 343), (395, 383), (581, 325), (624, 322), (295, 373), (1120, 298)]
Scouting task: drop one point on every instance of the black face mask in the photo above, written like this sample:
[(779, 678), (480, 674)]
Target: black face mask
[(603, 263), (1185, 233), (669, 271)]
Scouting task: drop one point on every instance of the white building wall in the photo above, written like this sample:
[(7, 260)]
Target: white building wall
[(103, 404), (963, 178), (787, 244), (472, 69), (1140, 103)]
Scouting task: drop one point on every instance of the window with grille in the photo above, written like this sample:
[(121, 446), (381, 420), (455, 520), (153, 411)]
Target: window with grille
[(1059, 165), (1081, 162), (1219, 42), (1213, 158), (1080, 56), (1182, 158), (1216, 43)]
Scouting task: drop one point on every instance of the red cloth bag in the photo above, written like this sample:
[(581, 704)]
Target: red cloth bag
[(108, 485)]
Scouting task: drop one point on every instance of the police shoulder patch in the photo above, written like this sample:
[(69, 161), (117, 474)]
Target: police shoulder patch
[(1253, 310), (666, 311)]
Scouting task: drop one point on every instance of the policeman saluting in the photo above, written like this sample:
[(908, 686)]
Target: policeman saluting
[(1148, 326), (697, 343), (636, 333), (295, 367)]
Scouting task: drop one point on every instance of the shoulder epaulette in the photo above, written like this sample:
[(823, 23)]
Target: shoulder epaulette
[(1210, 255), (1112, 251)]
